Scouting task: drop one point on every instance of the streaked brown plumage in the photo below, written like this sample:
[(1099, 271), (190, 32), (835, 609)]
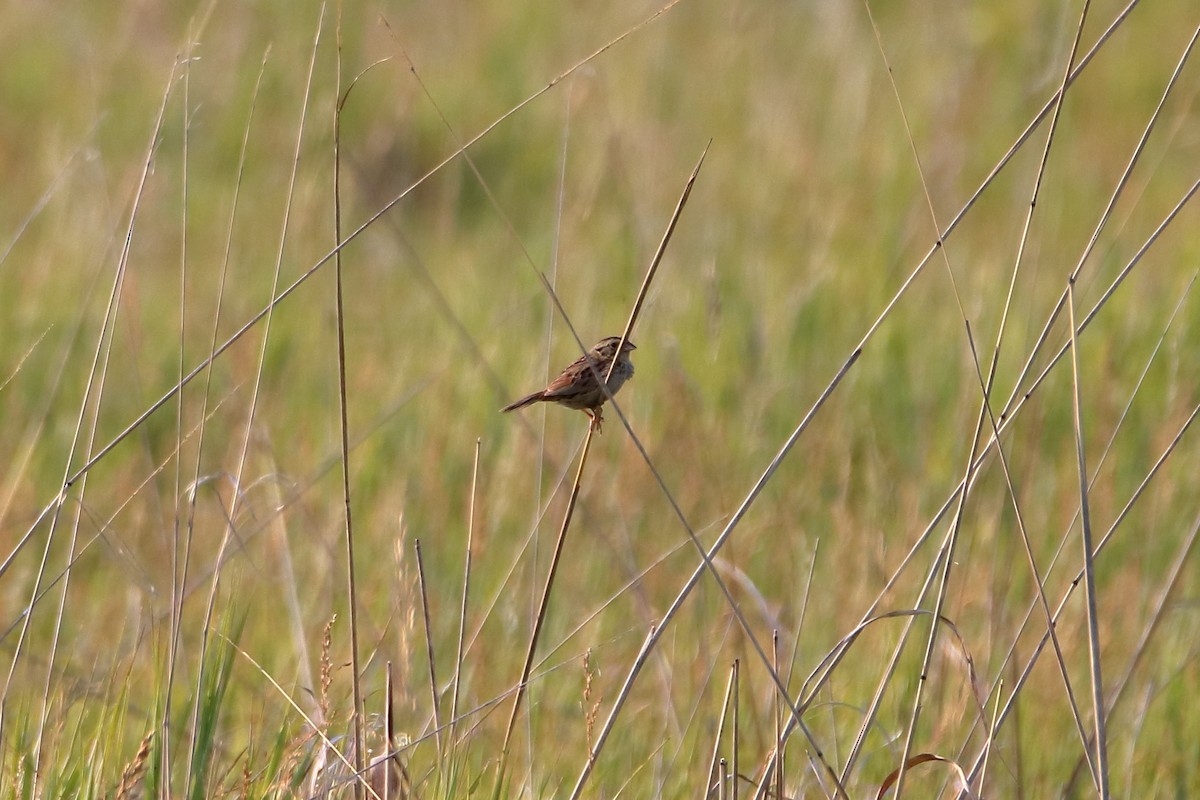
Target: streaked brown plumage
[(577, 387)]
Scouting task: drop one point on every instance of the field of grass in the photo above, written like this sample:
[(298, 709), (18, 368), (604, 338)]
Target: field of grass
[(177, 609)]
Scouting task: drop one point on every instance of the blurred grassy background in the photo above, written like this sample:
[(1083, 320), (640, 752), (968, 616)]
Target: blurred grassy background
[(806, 219)]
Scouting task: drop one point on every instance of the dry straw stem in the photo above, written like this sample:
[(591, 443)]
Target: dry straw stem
[(462, 613), (735, 745), (164, 787), (543, 605), (987, 745), (1089, 575), (780, 761), (1143, 643), (1138, 650), (387, 774), (360, 738), (20, 363), (433, 686), (716, 775)]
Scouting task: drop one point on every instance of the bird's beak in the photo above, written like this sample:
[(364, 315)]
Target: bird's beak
[(630, 345)]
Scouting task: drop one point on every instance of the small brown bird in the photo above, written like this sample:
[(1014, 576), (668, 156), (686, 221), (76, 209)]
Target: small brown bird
[(577, 386)]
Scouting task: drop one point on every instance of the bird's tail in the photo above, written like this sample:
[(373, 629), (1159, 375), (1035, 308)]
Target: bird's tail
[(527, 400)]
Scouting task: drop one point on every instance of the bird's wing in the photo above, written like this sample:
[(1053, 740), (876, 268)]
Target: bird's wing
[(567, 381)]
